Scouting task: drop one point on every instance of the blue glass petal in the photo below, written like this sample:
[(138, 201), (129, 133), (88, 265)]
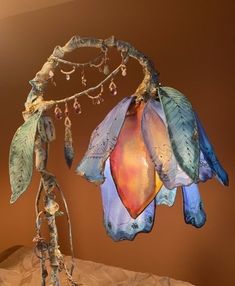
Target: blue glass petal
[(102, 142), (117, 221), (205, 171), (194, 213), (166, 197), (209, 154)]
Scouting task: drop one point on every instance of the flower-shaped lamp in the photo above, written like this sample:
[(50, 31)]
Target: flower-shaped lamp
[(141, 152)]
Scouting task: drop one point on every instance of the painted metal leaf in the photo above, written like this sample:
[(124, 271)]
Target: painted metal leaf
[(68, 148), (132, 168), (68, 145), (102, 142), (21, 156), (182, 129), (194, 213), (156, 139), (117, 221), (210, 156), (166, 197)]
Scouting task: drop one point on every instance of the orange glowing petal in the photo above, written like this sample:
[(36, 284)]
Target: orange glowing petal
[(132, 169), (158, 183)]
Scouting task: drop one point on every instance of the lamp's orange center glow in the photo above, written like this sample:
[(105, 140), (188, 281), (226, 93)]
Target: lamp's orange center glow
[(132, 168)]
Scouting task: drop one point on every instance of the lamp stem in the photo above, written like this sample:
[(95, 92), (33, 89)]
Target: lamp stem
[(48, 184)]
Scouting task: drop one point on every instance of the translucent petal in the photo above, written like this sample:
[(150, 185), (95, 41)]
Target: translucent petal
[(118, 222), (194, 213), (158, 143), (205, 172), (210, 156), (102, 142), (132, 169), (166, 196)]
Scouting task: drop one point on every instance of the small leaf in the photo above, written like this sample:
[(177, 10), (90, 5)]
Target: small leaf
[(21, 156), (68, 146), (182, 129)]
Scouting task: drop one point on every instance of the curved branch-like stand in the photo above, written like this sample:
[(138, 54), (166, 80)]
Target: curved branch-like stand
[(39, 83), (193, 161), (48, 183)]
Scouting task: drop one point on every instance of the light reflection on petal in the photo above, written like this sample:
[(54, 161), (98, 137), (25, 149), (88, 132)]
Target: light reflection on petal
[(132, 169), (102, 142), (118, 222), (205, 172)]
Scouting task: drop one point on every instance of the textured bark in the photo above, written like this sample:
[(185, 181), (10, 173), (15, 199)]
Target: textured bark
[(53, 249), (47, 183), (51, 207), (48, 186)]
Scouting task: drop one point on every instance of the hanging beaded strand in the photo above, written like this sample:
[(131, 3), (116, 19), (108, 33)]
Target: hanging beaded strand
[(68, 140), (83, 78), (77, 106), (68, 73), (58, 112), (113, 87), (98, 99)]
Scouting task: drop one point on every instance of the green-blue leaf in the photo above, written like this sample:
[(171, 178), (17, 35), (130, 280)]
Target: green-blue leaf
[(182, 129), (21, 156)]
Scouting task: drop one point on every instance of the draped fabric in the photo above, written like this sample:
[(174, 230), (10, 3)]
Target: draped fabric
[(22, 268)]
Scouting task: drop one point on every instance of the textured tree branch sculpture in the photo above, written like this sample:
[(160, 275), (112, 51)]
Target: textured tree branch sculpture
[(150, 143), (41, 131)]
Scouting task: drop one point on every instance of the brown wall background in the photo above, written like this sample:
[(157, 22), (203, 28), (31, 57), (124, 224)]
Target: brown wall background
[(192, 44)]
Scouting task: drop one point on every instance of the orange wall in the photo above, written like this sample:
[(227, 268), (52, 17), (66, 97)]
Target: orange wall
[(192, 44)]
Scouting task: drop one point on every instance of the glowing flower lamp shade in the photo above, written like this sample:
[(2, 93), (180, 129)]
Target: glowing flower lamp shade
[(141, 152)]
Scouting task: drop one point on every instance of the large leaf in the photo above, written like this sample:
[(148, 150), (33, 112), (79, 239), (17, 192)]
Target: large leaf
[(182, 129), (21, 156)]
